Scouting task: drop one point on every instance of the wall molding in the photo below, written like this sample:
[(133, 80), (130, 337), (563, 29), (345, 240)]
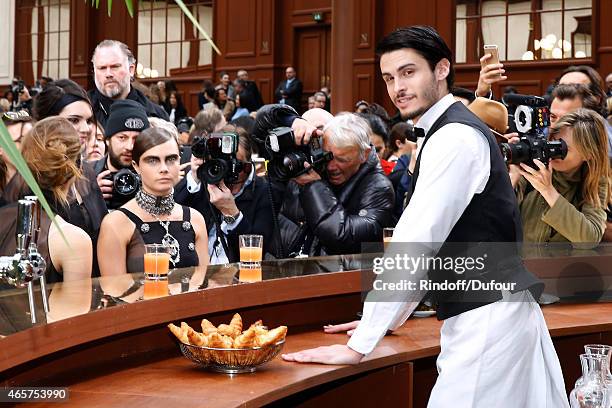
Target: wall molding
[(7, 42)]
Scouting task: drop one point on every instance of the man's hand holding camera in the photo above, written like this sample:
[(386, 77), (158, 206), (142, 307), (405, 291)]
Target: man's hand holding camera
[(222, 198), (310, 176), (105, 184), (195, 163), (302, 131)]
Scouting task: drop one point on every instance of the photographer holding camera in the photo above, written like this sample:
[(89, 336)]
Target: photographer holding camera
[(566, 199), (116, 177), (341, 198), (234, 201)]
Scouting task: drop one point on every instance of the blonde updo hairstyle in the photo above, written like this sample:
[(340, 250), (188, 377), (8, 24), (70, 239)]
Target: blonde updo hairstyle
[(53, 152)]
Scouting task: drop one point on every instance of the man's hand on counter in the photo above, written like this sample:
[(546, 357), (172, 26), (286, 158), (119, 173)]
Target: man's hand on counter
[(335, 354)]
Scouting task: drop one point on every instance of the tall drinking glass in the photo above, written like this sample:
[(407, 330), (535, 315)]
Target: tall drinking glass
[(387, 235), (251, 250), (156, 261)]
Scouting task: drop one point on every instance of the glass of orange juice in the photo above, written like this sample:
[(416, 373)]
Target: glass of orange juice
[(387, 235), (156, 261), (251, 251), (155, 288)]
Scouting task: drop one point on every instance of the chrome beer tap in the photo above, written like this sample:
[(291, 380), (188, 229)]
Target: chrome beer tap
[(27, 264)]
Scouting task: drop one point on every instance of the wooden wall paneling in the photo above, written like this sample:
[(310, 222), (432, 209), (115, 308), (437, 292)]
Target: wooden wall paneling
[(80, 42), (265, 32), (342, 83), (266, 88), (23, 44), (240, 39), (364, 87), (310, 57), (443, 14), (307, 7)]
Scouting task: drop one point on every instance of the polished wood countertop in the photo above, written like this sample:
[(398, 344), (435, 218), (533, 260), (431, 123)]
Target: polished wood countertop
[(176, 380), (123, 354)]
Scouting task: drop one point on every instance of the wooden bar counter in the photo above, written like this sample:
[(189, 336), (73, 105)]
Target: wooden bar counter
[(112, 350)]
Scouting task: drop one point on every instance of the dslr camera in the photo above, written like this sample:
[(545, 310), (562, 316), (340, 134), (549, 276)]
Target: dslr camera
[(287, 159), (529, 116), (18, 87), (218, 150), (125, 182)]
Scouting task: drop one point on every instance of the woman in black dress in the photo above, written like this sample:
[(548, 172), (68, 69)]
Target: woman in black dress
[(153, 217)]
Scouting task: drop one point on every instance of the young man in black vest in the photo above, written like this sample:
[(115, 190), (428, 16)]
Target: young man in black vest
[(495, 347)]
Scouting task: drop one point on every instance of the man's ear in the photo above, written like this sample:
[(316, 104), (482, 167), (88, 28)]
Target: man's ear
[(135, 166), (442, 69), (366, 154)]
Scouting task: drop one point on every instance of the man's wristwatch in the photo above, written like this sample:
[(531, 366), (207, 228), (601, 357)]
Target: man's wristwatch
[(230, 219)]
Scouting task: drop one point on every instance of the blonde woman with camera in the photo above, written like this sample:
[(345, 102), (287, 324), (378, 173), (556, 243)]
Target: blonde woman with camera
[(566, 200)]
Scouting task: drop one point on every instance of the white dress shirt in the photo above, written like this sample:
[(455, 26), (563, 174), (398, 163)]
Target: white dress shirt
[(454, 166)]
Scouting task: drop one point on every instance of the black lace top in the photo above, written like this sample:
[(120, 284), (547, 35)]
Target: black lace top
[(153, 233)]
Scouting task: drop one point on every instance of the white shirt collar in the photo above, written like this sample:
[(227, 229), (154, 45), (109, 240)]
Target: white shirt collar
[(429, 118)]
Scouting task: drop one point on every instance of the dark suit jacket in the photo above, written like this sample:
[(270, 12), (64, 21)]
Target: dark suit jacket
[(254, 203), (294, 93), (250, 98)]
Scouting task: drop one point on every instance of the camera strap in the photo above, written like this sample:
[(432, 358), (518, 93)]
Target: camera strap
[(220, 236)]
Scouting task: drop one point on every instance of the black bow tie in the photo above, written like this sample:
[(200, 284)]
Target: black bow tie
[(419, 132)]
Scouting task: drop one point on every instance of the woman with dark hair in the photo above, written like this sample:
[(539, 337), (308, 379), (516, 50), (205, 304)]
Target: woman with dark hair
[(12, 98), (153, 216), (175, 108), (18, 125), (86, 206), (207, 96), (223, 103), (96, 147), (53, 153), (67, 99)]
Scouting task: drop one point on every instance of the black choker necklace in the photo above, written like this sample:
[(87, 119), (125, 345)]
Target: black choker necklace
[(155, 205)]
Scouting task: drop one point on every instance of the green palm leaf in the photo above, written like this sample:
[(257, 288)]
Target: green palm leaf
[(10, 149), (130, 7), (196, 24)]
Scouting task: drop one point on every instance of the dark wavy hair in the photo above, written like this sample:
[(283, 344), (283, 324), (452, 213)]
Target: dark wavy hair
[(596, 85), (425, 40), (45, 101)]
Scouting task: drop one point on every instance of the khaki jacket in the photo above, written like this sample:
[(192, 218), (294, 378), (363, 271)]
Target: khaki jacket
[(567, 220)]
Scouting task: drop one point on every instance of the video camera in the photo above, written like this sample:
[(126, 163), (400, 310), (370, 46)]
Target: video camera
[(218, 150), (529, 116), (287, 159)]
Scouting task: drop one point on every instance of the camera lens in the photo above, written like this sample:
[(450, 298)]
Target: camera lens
[(515, 153), (556, 149), (213, 171)]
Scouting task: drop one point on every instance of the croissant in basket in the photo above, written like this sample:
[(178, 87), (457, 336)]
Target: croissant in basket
[(228, 336)]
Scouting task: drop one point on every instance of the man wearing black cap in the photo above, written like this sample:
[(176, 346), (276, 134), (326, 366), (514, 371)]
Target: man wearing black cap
[(114, 66), (116, 177)]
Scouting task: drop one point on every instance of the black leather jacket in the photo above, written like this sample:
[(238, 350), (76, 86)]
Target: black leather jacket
[(101, 105), (324, 220)]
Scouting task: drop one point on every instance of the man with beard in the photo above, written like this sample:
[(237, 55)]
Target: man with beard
[(116, 177), (495, 347), (114, 66)]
